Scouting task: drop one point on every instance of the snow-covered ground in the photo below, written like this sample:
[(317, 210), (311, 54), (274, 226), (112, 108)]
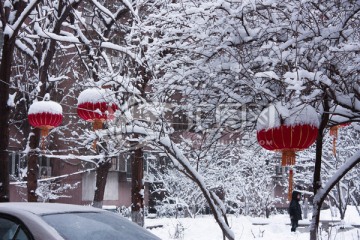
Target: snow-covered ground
[(276, 227)]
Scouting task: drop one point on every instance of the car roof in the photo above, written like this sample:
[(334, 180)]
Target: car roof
[(30, 214), (46, 208)]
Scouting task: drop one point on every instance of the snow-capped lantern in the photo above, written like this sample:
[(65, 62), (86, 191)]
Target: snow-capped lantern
[(96, 106), (287, 131), (334, 133), (45, 115)]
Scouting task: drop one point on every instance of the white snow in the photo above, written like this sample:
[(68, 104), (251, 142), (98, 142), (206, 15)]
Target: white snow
[(277, 227), (95, 95), (301, 115), (116, 47), (11, 100), (103, 9), (45, 106), (268, 74)]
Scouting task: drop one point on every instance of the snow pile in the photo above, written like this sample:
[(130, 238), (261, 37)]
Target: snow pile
[(96, 95), (276, 115), (45, 107)]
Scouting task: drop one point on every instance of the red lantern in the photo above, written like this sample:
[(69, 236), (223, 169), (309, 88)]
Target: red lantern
[(45, 115), (97, 112), (334, 133), (94, 105), (288, 140), (287, 131)]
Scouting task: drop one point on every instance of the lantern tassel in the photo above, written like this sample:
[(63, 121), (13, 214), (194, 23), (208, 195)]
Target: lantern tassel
[(334, 146), (44, 131), (334, 133), (97, 124), (288, 158), (291, 174)]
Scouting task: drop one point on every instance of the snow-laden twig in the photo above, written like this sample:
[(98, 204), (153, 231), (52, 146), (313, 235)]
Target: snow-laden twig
[(55, 178), (10, 29), (323, 192), (179, 158)]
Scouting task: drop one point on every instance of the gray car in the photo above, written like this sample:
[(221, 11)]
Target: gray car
[(51, 221)]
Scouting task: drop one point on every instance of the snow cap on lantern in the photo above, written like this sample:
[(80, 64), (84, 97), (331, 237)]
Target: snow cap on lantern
[(276, 115), (45, 115), (96, 105), (287, 130)]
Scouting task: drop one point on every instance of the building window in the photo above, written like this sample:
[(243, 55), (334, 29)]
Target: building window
[(118, 163), (16, 162), (122, 164), (44, 167), (128, 158), (148, 159), (114, 164), (180, 122), (281, 171)]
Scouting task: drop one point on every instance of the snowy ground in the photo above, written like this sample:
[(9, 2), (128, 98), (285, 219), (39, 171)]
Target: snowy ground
[(275, 228)]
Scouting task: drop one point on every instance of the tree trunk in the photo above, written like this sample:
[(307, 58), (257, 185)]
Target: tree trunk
[(32, 176), (317, 172), (5, 71), (101, 177), (315, 221), (137, 188), (33, 168), (316, 187), (4, 175), (340, 206)]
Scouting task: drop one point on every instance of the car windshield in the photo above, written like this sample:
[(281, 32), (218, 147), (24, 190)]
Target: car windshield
[(96, 226)]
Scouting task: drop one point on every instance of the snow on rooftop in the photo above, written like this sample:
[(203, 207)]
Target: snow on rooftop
[(276, 114), (45, 106), (95, 95)]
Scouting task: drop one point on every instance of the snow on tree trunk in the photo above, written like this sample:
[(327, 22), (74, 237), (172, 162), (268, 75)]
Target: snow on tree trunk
[(137, 188)]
